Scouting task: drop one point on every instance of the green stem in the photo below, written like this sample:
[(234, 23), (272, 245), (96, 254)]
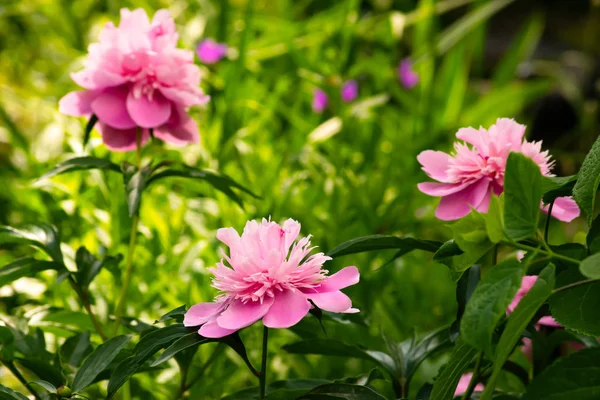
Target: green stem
[(86, 304), (549, 253), (548, 218), (128, 272), (584, 282), (12, 368), (262, 379), (474, 378)]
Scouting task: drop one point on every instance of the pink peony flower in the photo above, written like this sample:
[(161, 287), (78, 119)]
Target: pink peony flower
[(463, 384), (136, 78), (211, 52), (526, 284), (470, 176), (320, 101), (270, 277), (407, 76), (349, 91)]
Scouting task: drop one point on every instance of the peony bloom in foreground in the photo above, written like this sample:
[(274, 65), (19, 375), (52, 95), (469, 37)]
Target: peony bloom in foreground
[(463, 385), (211, 52), (270, 278), (320, 100), (470, 175), (134, 78), (407, 76), (349, 91)]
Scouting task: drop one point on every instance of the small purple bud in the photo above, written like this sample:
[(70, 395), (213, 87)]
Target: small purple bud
[(320, 100), (349, 91), (407, 76), (211, 52)]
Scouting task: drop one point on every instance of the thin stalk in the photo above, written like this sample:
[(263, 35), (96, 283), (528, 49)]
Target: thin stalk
[(571, 285), (132, 242), (548, 218), (473, 382), (262, 379), (86, 304), (549, 253), (11, 367)]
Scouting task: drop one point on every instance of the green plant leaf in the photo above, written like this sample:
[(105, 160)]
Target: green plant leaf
[(43, 370), (185, 342), (445, 384), (447, 250), (222, 183), (81, 163), (554, 187), (577, 308), (470, 234), (590, 266), (572, 377), (9, 394), (136, 181), (176, 314), (76, 348), (331, 347), (494, 222), (342, 391), (488, 303), (383, 242), (522, 196), (517, 322), (464, 290), (42, 236), (88, 129), (98, 360), (25, 267), (593, 237), (585, 189), (427, 346), (46, 385), (146, 348)]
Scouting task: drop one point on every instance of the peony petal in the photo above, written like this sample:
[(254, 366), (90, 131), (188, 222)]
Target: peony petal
[(291, 229), (239, 315), (110, 108), (201, 313), (343, 278), (564, 209), (331, 301), (435, 164), (459, 204), (212, 330), (121, 139), (180, 129), (473, 137), (77, 104), (441, 189), (149, 113), (287, 310), (230, 237)]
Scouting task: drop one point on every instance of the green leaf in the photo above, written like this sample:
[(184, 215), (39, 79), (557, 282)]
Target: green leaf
[(462, 27), (445, 384), (517, 322), (447, 250), (590, 266), (185, 342), (342, 391), (88, 129), (25, 267), (593, 237), (426, 347), (9, 394), (76, 348), (146, 348), (522, 196), (554, 187), (42, 236), (89, 266), (494, 222), (331, 347), (488, 303), (46, 385), (176, 314), (572, 377), (291, 387), (81, 163), (585, 189), (577, 308), (98, 360), (43, 370), (136, 181), (470, 234), (220, 182), (383, 242)]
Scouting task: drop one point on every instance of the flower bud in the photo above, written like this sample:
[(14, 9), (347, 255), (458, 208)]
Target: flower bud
[(64, 391)]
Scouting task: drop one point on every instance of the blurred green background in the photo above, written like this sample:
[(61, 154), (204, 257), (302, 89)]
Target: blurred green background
[(348, 172)]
